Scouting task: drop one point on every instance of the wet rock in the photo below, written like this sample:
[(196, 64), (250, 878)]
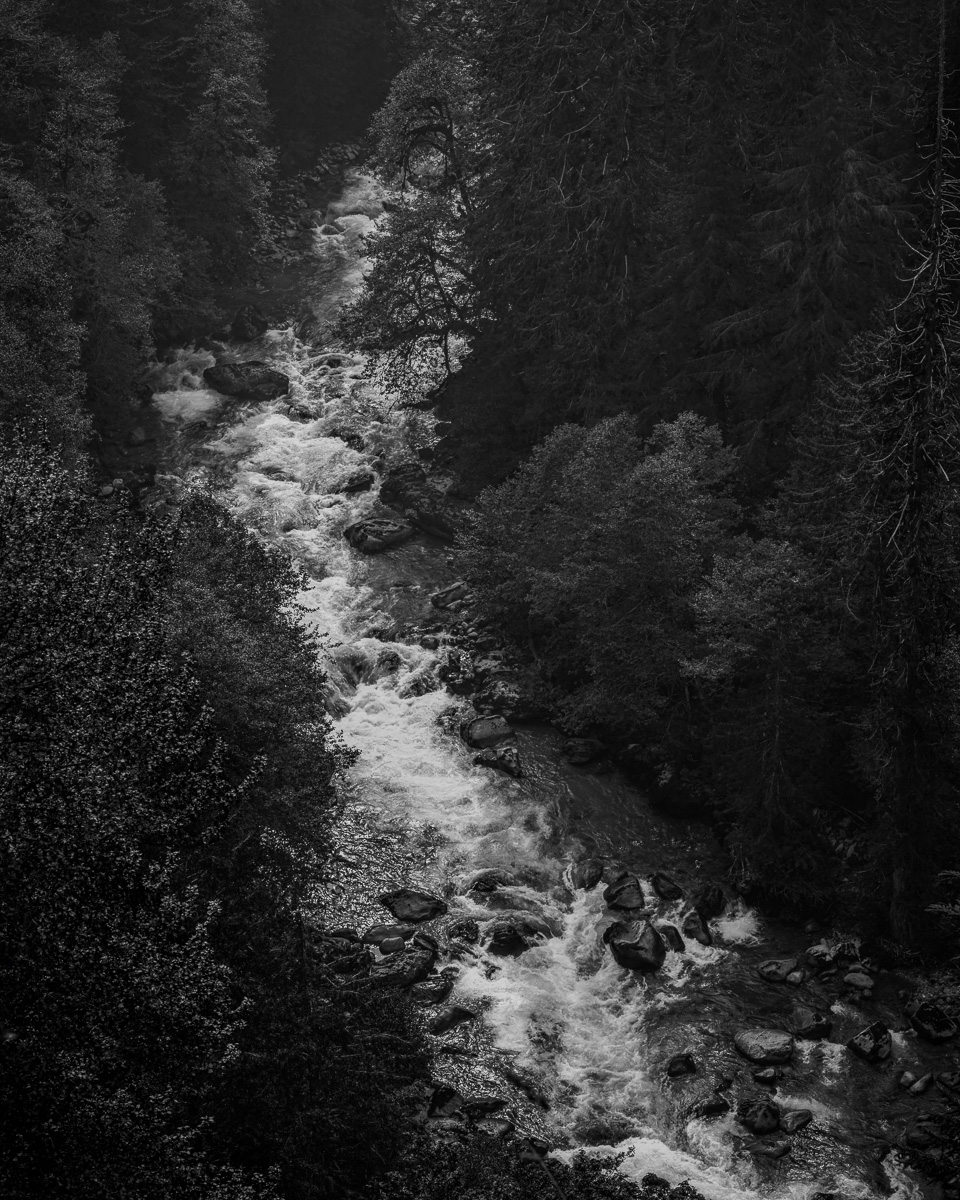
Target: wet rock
[(248, 324), (451, 594), (444, 1102), (930, 1021), (503, 758), (672, 938), (432, 990), (403, 969), (636, 945), (711, 1105), (430, 642), (496, 1126), (357, 481), (681, 1064), (527, 1085), (347, 933), (710, 902), (391, 945), (586, 874), (775, 1147), (581, 751), (483, 1106), (923, 1084), (516, 935), (695, 927), (372, 535), (409, 904), (625, 893), (665, 887), (768, 1076), (450, 1018), (796, 977), (872, 1044), (352, 437), (489, 879), (807, 1023), (764, 1046), (759, 1114), (406, 488), (253, 380), (484, 732), (776, 970), (858, 980), (456, 671), (795, 1120), (907, 1080), (464, 930)]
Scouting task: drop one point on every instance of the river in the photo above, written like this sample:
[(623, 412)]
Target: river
[(593, 1036)]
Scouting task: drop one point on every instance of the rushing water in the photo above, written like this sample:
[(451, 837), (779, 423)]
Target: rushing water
[(594, 1037)]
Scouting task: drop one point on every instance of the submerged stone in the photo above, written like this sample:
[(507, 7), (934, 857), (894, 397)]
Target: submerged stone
[(759, 1114), (872, 1044), (695, 927), (765, 1046), (409, 904), (665, 887), (586, 874)]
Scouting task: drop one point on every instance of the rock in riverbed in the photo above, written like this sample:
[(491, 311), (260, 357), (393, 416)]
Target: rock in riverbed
[(408, 904), (253, 380), (374, 534), (765, 1046), (636, 945)]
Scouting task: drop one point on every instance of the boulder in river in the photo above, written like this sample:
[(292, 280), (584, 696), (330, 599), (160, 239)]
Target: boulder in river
[(765, 1046), (409, 904), (252, 380), (501, 758), (665, 887), (248, 324), (930, 1021), (450, 1018), (759, 1114), (807, 1023), (465, 929), (776, 970), (359, 480), (710, 902), (451, 594), (371, 535), (432, 990), (710, 1105), (625, 893), (513, 936), (795, 1119), (636, 945), (671, 935), (586, 873), (483, 732), (406, 488), (872, 1044), (379, 933), (695, 927), (403, 969)]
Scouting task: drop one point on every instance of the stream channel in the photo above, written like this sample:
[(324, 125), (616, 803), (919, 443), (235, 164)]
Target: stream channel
[(594, 1037)]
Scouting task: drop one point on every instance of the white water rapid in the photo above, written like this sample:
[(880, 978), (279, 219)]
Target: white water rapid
[(594, 1037)]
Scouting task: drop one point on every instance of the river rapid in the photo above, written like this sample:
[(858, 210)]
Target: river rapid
[(594, 1037)]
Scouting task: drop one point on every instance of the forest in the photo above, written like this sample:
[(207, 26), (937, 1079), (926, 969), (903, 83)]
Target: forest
[(678, 285)]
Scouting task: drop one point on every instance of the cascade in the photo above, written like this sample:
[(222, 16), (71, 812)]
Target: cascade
[(593, 1038)]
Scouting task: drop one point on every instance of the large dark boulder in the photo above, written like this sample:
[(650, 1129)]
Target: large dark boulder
[(776, 970), (402, 969), (406, 488), (586, 874), (665, 887), (671, 935), (809, 1024), (483, 732), (432, 990), (625, 893), (795, 1120), (502, 758), (764, 1046), (248, 324), (636, 945), (253, 380), (381, 933), (408, 904), (930, 1021), (872, 1044), (695, 927), (514, 936), (759, 1114), (450, 1018), (374, 534)]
